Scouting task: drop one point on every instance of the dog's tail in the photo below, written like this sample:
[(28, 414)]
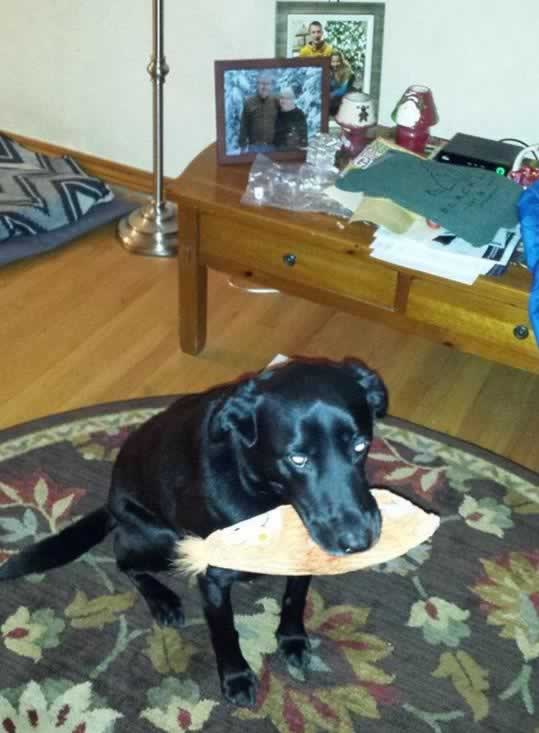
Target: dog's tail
[(60, 549)]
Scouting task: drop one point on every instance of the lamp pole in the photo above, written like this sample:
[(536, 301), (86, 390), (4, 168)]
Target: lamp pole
[(152, 229)]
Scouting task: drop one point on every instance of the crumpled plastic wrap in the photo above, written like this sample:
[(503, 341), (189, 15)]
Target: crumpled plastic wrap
[(296, 186), (322, 150)]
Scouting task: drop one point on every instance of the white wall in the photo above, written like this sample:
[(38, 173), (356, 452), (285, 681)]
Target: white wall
[(74, 72)]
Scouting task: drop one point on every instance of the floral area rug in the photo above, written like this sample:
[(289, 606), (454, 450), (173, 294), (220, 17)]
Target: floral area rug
[(444, 639)]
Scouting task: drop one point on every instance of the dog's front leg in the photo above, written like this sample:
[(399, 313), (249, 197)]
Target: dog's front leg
[(238, 681), (291, 634)]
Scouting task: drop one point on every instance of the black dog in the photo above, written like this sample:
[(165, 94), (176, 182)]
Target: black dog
[(297, 434)]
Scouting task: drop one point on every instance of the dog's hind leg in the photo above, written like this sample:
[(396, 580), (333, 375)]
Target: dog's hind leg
[(141, 551)]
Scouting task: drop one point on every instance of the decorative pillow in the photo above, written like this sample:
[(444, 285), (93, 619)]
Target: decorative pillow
[(25, 246), (39, 193)]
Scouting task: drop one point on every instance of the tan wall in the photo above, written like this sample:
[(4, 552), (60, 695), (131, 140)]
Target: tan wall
[(74, 73)]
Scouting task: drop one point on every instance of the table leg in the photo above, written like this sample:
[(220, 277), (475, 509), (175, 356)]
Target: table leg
[(193, 284)]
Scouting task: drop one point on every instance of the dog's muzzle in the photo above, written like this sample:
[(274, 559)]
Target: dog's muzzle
[(347, 532)]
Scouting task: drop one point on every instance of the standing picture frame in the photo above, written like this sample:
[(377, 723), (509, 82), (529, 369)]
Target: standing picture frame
[(354, 30), (269, 106)]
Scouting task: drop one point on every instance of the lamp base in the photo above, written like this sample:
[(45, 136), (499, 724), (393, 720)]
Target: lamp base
[(355, 139), (151, 230), (413, 139)]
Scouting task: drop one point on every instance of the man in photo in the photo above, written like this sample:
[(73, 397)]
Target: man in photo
[(317, 46), (257, 126), (291, 124)]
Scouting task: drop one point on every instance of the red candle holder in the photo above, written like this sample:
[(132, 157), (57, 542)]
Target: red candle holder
[(414, 114)]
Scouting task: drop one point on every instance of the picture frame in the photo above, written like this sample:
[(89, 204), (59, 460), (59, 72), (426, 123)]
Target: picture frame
[(269, 106), (354, 28)]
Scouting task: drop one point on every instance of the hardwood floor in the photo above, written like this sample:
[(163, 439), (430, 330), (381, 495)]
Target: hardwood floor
[(91, 323)]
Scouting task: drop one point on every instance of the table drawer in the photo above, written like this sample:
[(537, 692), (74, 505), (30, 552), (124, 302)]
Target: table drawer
[(347, 272), (467, 315)]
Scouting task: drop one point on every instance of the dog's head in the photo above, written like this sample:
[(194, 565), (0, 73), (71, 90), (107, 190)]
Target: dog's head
[(306, 428)]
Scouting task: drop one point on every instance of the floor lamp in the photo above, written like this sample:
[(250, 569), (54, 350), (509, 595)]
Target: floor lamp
[(152, 229)]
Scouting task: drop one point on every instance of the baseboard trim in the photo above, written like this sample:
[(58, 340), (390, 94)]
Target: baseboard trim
[(118, 174)]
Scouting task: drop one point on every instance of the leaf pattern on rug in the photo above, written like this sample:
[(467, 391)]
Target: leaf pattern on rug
[(510, 594), (28, 633), (341, 631), (71, 711), (443, 639), (102, 445), (441, 622), (468, 678), (43, 500), (168, 651), (486, 515), (85, 613), (178, 706)]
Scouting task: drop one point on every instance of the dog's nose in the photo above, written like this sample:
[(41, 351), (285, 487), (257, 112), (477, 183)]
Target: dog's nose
[(362, 534), (356, 541)]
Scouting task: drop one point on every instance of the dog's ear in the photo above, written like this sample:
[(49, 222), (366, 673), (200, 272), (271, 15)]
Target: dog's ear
[(375, 389), (238, 414)]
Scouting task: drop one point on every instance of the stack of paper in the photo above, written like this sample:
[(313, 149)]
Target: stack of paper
[(405, 238), (438, 252), (471, 202)]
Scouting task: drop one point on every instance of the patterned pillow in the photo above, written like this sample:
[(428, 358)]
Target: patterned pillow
[(39, 193)]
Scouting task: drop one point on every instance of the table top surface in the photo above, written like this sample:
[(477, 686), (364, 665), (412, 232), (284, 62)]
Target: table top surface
[(218, 189), (213, 186)]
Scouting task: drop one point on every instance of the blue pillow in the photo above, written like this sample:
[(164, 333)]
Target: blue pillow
[(46, 202), (39, 193), (18, 248)]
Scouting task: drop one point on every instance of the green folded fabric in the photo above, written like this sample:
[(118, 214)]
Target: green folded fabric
[(470, 202)]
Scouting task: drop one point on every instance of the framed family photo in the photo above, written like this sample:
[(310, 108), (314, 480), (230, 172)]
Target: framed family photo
[(350, 34), (270, 106)]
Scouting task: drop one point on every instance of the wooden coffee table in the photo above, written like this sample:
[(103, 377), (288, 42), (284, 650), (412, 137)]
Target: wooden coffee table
[(320, 258)]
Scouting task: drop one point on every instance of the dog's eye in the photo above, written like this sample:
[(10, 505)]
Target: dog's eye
[(298, 460), (360, 446)]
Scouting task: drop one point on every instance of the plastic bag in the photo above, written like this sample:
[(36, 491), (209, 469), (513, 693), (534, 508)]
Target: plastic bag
[(296, 186)]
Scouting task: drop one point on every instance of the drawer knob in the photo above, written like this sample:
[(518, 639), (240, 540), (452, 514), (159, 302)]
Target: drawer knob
[(289, 259), (521, 332)]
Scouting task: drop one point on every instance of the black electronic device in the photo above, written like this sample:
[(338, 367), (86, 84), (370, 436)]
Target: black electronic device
[(479, 152)]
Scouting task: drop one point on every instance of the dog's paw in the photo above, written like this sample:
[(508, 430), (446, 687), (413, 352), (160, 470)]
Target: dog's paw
[(240, 688), (168, 613), (296, 650)]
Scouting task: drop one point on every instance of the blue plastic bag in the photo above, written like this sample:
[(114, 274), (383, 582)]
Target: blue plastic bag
[(528, 207)]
